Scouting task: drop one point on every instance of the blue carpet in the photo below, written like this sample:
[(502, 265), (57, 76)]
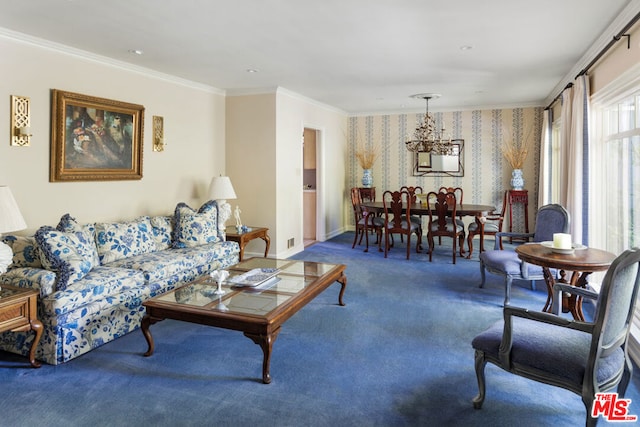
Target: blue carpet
[(398, 354)]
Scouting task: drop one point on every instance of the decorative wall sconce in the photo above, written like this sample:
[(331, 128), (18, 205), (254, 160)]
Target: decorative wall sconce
[(158, 133), (20, 121)]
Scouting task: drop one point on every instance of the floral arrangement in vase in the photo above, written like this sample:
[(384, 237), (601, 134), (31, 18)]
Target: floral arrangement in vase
[(516, 152), (367, 156)]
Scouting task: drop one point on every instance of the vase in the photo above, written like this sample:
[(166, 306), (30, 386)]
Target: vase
[(367, 178), (517, 181)]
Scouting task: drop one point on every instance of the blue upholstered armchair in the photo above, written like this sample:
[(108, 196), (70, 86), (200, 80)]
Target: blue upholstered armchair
[(585, 358), (549, 220)]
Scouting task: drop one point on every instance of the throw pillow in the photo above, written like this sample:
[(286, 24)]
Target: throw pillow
[(25, 251), (69, 224), (70, 254), (119, 240), (162, 230), (195, 228)]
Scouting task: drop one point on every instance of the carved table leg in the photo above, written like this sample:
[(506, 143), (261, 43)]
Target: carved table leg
[(147, 321), (37, 327), (267, 241), (266, 344), (550, 281), (343, 281), (574, 303)]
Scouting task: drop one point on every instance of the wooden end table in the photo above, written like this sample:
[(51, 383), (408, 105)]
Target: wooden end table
[(518, 196), (247, 236), (18, 313), (581, 263)]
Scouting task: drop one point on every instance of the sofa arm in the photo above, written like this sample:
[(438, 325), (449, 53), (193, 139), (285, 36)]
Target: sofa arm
[(39, 279)]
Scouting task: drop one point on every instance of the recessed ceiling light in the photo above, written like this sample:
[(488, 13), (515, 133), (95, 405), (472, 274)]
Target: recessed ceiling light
[(136, 51), (252, 70), (466, 47)]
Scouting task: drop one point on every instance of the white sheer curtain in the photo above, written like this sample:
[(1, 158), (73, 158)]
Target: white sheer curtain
[(544, 177), (576, 193), (565, 138)]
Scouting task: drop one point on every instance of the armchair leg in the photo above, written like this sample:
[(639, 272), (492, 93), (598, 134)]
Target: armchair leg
[(483, 274), (588, 403), (480, 363), (626, 376), (507, 290)]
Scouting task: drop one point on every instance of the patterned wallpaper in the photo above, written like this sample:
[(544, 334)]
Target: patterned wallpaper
[(486, 172)]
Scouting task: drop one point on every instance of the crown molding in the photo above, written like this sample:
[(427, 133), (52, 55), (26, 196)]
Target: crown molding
[(278, 90), (450, 110), (103, 60)]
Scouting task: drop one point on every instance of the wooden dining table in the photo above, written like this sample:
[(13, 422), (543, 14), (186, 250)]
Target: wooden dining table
[(464, 209), (582, 262)]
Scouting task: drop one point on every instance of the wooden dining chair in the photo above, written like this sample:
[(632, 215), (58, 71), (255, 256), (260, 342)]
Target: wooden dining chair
[(364, 221), (413, 191), (457, 191), (443, 221), (459, 194), (395, 220), (492, 226)]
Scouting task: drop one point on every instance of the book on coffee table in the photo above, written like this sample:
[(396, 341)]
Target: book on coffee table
[(254, 277)]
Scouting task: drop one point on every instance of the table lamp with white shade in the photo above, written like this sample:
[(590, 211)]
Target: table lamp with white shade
[(221, 190), (10, 220)]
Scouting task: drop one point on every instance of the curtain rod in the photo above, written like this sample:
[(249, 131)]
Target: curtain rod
[(604, 50)]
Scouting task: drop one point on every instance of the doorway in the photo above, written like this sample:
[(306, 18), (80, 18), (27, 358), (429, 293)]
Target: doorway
[(309, 185)]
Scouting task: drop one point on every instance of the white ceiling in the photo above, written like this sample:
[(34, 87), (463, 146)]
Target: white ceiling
[(360, 56)]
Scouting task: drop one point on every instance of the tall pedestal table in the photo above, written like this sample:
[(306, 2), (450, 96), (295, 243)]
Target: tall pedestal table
[(581, 263)]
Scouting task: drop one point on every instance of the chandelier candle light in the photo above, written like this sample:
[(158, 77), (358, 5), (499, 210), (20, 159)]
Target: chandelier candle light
[(427, 138)]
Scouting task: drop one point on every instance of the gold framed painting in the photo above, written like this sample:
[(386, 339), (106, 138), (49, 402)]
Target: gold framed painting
[(94, 139)]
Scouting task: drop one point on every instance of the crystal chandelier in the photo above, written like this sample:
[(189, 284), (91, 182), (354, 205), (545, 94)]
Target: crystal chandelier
[(427, 138)]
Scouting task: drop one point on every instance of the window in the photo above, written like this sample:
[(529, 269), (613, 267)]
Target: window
[(616, 175), (615, 180)]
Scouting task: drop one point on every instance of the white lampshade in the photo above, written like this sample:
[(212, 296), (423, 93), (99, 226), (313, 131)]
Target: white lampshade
[(10, 217), (221, 188)]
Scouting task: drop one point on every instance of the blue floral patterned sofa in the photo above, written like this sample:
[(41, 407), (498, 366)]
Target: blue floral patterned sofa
[(93, 278)]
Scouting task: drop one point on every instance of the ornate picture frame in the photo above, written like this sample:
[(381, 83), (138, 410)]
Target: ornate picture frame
[(94, 139)]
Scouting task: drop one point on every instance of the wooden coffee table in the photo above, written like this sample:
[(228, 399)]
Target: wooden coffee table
[(259, 314)]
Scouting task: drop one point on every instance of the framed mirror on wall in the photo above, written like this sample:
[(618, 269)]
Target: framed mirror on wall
[(447, 164)]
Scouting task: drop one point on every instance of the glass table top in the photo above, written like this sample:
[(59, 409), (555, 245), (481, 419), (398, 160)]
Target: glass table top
[(293, 278)]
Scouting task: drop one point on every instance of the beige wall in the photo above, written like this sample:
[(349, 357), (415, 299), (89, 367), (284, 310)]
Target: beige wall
[(194, 132), (294, 114), (251, 160), (264, 162)]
